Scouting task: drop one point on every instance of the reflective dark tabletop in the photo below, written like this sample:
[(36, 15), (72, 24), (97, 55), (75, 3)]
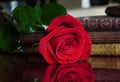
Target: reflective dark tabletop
[(32, 68)]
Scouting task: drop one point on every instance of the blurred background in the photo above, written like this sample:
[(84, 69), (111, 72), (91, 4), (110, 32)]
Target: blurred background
[(76, 8), (71, 4)]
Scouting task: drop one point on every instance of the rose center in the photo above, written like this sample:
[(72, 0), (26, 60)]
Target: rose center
[(68, 47)]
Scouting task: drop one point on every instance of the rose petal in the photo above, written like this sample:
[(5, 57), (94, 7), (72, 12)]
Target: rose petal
[(43, 49), (65, 58), (65, 20)]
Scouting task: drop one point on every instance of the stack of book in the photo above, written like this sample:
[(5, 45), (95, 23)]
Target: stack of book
[(104, 32)]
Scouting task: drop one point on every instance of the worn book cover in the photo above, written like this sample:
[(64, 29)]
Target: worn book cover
[(106, 49), (100, 23), (108, 62)]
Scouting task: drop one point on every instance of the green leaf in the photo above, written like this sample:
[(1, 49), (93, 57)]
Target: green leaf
[(50, 11), (37, 17), (27, 17), (9, 37), (23, 15), (37, 13)]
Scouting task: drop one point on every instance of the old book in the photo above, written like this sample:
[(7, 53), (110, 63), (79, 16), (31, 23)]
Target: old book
[(29, 39), (100, 23), (97, 49), (109, 62), (105, 37), (96, 37), (106, 49)]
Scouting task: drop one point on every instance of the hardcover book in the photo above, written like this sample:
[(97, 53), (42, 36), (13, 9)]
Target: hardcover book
[(96, 37), (100, 23), (106, 49), (108, 62), (105, 37)]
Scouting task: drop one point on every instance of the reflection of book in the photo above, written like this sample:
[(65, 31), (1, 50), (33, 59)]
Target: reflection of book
[(104, 37), (110, 62), (100, 23), (107, 75), (105, 49)]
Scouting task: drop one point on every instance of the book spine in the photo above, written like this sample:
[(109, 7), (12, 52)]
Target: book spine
[(106, 49), (103, 24), (105, 37), (105, 62)]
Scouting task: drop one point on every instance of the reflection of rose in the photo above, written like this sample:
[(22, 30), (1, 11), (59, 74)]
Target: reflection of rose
[(65, 42), (77, 72)]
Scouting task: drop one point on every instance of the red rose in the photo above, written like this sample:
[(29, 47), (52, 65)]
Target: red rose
[(65, 42), (77, 72)]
